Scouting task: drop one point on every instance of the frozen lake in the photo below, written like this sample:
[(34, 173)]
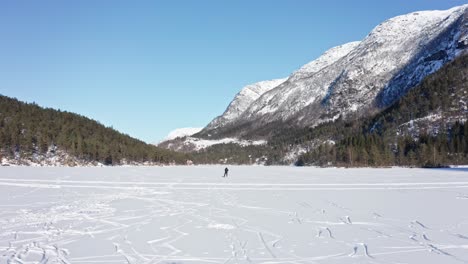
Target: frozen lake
[(256, 215)]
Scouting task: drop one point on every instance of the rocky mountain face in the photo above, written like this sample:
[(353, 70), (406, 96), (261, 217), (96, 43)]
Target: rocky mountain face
[(350, 80)]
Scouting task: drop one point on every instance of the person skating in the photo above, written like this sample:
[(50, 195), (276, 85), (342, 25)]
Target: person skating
[(226, 170)]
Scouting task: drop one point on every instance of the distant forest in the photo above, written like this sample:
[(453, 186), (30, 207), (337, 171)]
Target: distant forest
[(26, 129)]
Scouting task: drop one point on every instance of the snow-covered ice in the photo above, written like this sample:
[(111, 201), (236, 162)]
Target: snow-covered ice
[(256, 215)]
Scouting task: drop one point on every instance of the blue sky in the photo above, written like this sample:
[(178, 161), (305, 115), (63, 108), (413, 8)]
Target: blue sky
[(148, 67)]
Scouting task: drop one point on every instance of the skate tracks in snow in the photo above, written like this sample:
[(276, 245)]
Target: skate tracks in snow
[(256, 215)]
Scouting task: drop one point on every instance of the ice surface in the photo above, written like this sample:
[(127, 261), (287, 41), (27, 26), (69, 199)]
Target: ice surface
[(256, 215)]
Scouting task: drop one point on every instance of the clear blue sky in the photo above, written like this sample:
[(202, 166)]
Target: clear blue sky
[(148, 67)]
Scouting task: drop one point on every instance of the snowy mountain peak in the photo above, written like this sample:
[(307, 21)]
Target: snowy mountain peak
[(424, 24), (242, 101)]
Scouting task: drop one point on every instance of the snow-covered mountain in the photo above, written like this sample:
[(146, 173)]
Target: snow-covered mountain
[(351, 79), (242, 101)]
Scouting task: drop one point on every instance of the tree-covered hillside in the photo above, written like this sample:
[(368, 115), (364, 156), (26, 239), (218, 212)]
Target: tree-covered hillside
[(27, 130), (426, 127)]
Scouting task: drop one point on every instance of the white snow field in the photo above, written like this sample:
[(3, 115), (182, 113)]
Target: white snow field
[(256, 215)]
